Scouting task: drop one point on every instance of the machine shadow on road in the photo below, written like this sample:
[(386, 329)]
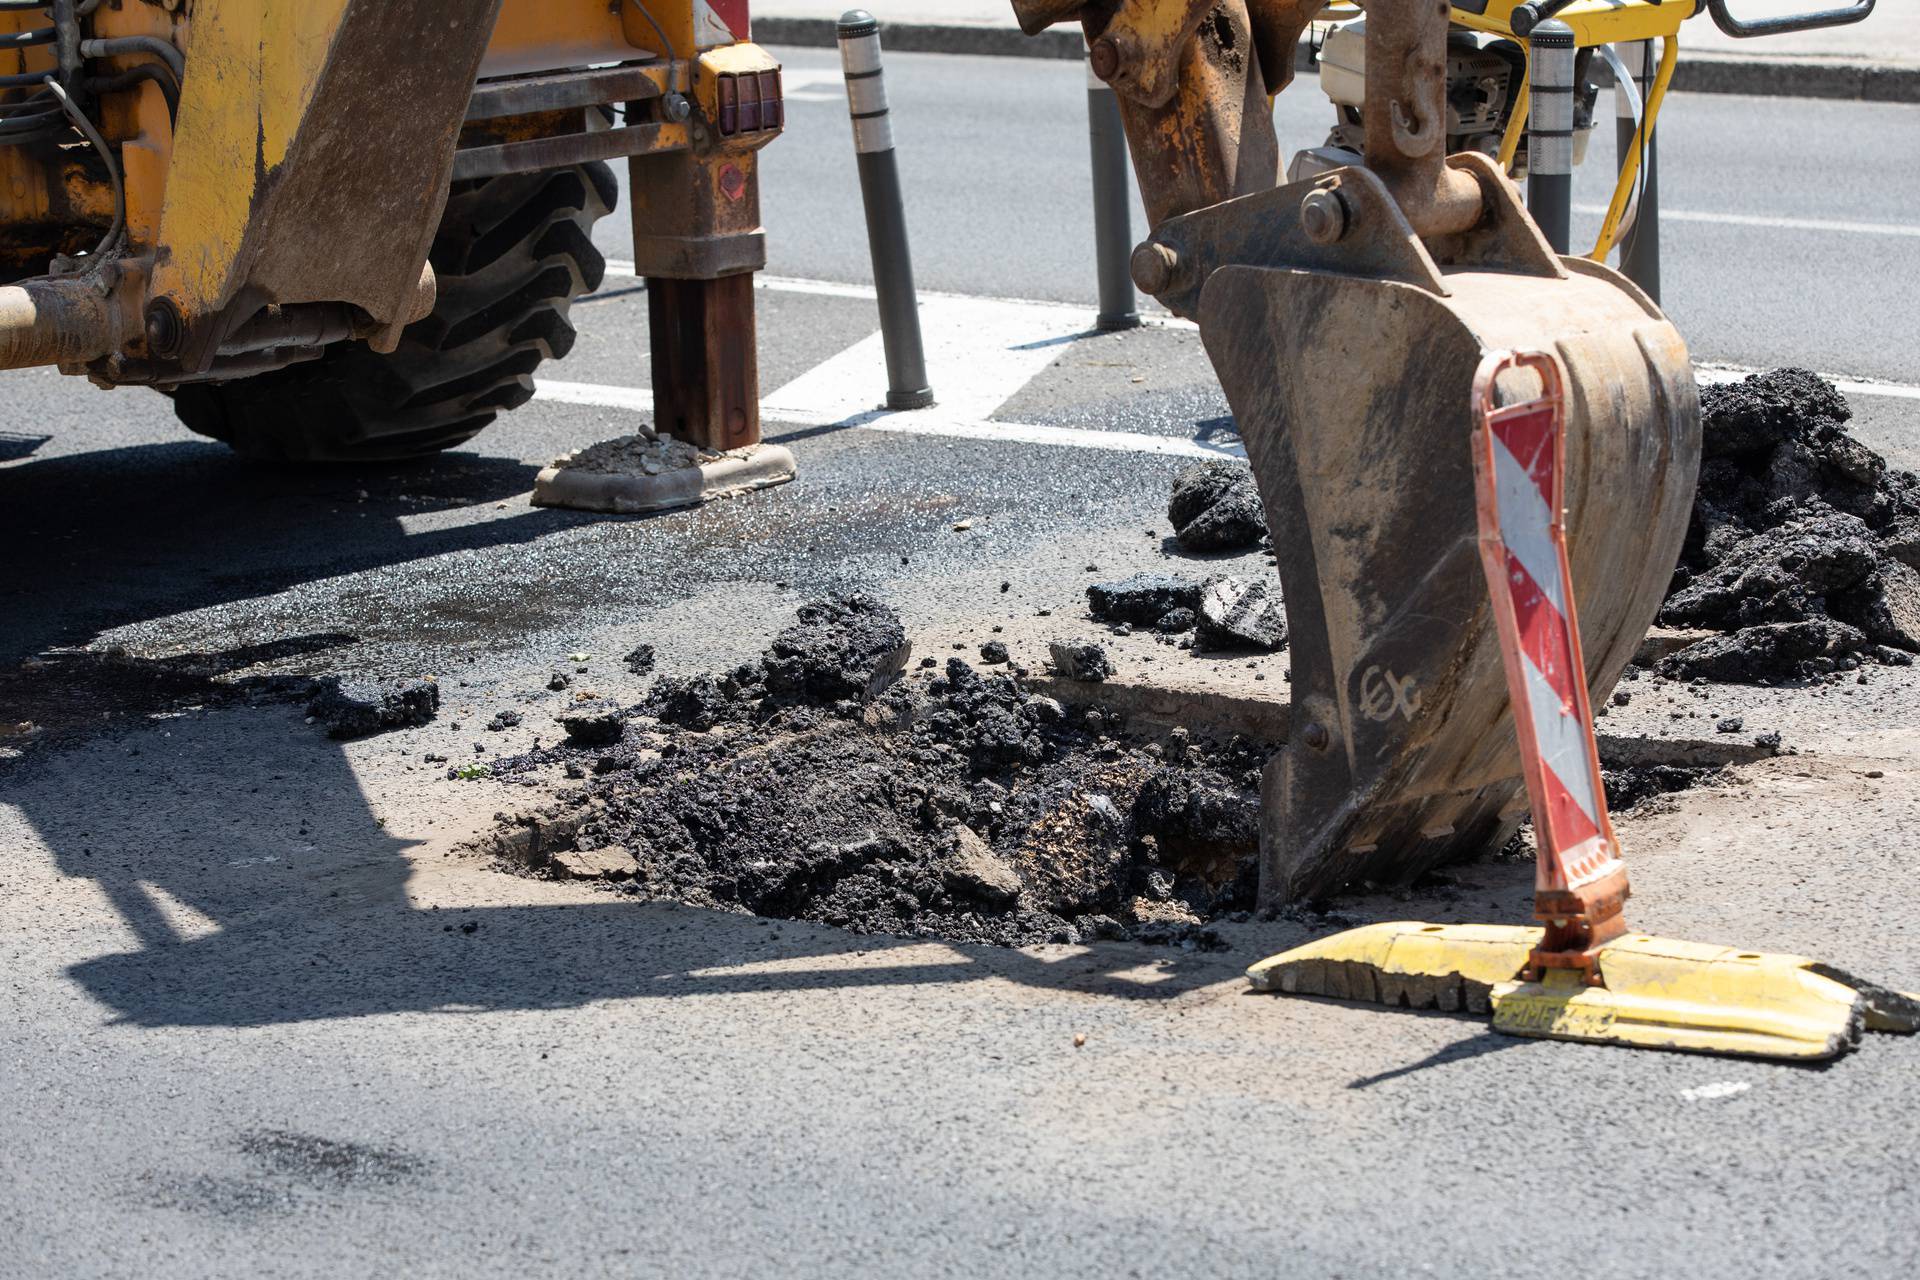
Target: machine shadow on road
[(241, 852), (124, 535)]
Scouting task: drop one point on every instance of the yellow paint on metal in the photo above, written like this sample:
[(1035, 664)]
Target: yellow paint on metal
[(255, 68), (1593, 21), (543, 35), (1149, 34), (1630, 170), (1655, 993), (1482, 953), (1665, 994), (1517, 119)]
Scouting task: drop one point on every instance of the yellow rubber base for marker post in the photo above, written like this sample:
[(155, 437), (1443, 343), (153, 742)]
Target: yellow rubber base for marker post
[(1652, 992)]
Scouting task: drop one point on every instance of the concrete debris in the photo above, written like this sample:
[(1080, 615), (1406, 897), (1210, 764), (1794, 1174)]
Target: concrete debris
[(1145, 599), (636, 455), (1786, 574), (1081, 660), (697, 702), (1215, 506), (1802, 542), (592, 724), (641, 473), (594, 864), (978, 872), (1240, 613), (356, 711)]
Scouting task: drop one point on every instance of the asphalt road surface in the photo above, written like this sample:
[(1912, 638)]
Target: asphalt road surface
[(245, 1031)]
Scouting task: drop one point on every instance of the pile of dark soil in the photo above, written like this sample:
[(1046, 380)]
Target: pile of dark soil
[(1215, 506), (1226, 612), (1804, 548), (819, 784), (1629, 786)]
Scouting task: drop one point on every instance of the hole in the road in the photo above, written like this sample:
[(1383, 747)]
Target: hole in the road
[(950, 802)]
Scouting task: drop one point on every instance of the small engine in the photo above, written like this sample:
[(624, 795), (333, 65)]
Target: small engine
[(1484, 75)]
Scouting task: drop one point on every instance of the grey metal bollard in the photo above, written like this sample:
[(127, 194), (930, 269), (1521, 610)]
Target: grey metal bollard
[(1112, 206), (1550, 133), (1640, 246), (907, 386)]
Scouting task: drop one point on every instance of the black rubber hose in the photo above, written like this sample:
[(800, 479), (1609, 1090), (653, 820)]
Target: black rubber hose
[(15, 122), (161, 49), (154, 71), (1528, 16), (85, 126)]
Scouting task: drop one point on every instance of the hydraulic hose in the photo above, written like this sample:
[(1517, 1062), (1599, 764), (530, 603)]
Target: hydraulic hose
[(154, 71), (165, 50)]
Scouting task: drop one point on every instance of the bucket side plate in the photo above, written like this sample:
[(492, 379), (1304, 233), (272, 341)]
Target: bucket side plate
[(1354, 397)]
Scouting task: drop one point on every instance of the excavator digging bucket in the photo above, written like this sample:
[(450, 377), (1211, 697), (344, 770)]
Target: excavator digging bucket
[(1350, 368)]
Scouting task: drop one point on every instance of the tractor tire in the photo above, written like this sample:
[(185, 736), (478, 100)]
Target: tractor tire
[(511, 255)]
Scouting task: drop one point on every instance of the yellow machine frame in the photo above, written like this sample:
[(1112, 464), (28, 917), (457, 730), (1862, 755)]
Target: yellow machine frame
[(309, 155)]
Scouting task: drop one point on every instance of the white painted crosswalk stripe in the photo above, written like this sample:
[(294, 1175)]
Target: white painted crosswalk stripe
[(980, 353), (922, 422)]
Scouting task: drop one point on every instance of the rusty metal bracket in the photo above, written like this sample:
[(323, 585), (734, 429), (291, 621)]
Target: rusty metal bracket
[(1504, 238), (532, 155), (526, 95), (1342, 221)]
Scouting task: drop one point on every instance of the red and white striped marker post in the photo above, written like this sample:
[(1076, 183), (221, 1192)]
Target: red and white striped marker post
[(1519, 463)]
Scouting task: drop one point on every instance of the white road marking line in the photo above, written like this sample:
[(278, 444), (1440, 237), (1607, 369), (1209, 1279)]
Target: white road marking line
[(638, 399), (1714, 374), (931, 422), (980, 353), (923, 422), (804, 85), (1718, 1089), (623, 269), (1776, 223)]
